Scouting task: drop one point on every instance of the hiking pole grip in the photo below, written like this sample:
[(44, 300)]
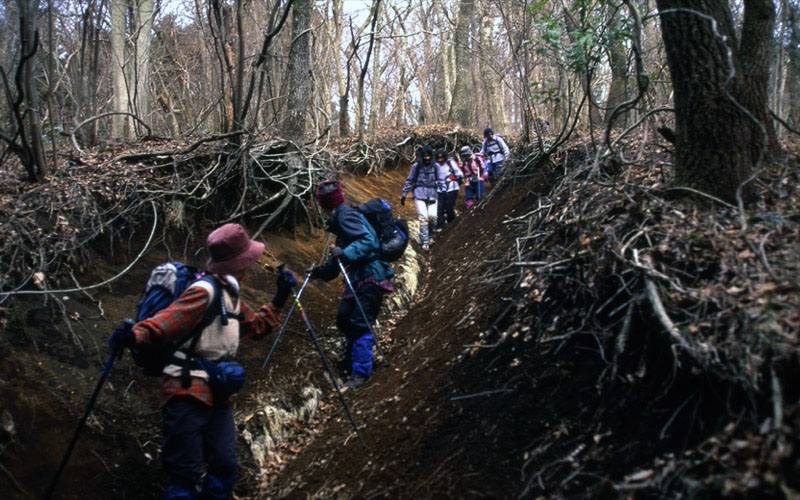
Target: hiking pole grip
[(363, 312), (128, 324), (286, 318), (328, 369)]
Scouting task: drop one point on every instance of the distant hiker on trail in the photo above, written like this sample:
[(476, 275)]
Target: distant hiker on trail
[(474, 175), (447, 169), (423, 182), (201, 377), (357, 247), (496, 152)]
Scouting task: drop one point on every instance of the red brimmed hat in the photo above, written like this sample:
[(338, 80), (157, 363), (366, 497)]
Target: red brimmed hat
[(231, 250), (329, 194)]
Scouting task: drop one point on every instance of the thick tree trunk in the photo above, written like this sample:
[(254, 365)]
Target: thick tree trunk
[(143, 18), (299, 72), (756, 51), (461, 108), (715, 146), (618, 90), (344, 120), (121, 125), (28, 36), (490, 80)]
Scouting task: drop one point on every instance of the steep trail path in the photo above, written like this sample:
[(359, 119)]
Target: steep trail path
[(404, 408)]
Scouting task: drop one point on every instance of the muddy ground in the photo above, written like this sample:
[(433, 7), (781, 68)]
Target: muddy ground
[(473, 402)]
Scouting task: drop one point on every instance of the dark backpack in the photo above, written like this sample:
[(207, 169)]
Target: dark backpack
[(392, 232), (166, 283)]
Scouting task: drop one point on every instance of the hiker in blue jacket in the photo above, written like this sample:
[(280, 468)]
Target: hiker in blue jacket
[(424, 184), (357, 246), (496, 152)]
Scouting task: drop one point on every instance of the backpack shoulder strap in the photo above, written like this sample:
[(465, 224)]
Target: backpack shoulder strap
[(417, 166), (216, 307)]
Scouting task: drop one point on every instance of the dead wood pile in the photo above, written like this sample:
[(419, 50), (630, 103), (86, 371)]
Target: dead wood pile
[(109, 194), (221, 178), (611, 260), (391, 146)]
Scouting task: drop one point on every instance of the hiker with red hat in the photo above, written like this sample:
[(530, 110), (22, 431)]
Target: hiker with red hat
[(357, 247), (200, 379)]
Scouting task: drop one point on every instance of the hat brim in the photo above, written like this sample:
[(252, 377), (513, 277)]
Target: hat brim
[(238, 263)]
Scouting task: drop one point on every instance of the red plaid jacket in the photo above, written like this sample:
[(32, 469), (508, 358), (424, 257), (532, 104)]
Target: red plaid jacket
[(174, 323)]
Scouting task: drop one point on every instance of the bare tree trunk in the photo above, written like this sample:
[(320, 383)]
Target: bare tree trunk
[(362, 76), (121, 125), (461, 108), (377, 86), (32, 134), (299, 71), (143, 24), (400, 90), (445, 50), (715, 148), (793, 70), (495, 106), (756, 53)]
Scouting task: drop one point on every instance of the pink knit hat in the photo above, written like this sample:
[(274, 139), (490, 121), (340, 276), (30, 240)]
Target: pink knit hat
[(329, 194), (231, 250)]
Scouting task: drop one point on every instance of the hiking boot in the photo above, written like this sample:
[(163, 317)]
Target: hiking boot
[(355, 381)]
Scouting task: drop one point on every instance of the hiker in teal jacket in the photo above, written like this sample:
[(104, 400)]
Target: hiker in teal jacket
[(358, 247)]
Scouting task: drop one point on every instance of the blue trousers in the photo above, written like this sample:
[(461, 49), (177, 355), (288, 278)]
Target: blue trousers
[(194, 434), (495, 171), (351, 323)]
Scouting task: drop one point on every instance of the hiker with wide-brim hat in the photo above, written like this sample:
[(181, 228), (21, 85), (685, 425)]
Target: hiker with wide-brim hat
[(200, 379)]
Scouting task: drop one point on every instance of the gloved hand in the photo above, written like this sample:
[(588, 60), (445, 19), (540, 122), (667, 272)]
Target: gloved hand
[(402, 200), (285, 281), (122, 337), (315, 272), (336, 252)]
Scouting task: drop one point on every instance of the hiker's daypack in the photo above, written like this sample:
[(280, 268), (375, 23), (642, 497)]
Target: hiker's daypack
[(392, 232), (166, 283), (453, 166)]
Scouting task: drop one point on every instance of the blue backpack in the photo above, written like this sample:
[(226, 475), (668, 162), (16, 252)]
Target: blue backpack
[(167, 282), (392, 232)]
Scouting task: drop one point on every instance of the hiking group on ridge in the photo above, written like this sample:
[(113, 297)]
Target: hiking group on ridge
[(189, 324)]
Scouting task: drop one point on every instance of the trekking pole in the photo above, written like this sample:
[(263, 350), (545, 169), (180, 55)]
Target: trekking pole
[(128, 323), (285, 319), (363, 312), (327, 366)]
